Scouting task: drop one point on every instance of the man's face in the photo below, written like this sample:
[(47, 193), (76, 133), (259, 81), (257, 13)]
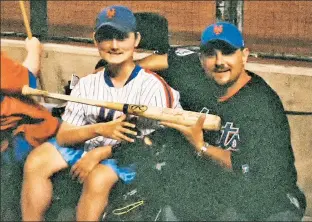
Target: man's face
[(224, 65), (116, 48)]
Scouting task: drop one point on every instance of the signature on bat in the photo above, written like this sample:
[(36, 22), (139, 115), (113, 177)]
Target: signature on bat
[(181, 113)]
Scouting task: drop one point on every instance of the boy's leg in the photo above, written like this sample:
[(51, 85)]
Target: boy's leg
[(95, 193), (97, 187), (37, 189)]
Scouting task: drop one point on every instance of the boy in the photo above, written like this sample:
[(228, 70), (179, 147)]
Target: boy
[(122, 81)]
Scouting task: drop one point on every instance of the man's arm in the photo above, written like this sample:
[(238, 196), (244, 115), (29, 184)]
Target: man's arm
[(154, 62), (217, 154), (194, 134)]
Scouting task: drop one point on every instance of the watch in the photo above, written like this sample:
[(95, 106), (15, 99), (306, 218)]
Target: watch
[(203, 149)]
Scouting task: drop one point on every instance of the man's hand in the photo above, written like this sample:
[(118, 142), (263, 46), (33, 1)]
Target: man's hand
[(117, 129), (194, 134)]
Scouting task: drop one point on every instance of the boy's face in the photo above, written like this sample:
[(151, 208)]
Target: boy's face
[(116, 47), (224, 64)]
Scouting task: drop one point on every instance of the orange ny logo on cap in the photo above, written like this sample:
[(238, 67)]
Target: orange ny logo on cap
[(218, 29), (111, 13)]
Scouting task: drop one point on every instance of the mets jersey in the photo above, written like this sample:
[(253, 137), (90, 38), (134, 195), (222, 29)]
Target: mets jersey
[(142, 88)]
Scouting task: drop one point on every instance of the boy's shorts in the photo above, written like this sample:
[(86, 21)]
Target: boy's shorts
[(72, 155), (17, 151)]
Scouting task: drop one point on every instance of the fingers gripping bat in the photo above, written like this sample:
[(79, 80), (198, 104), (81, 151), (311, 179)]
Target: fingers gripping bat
[(184, 117)]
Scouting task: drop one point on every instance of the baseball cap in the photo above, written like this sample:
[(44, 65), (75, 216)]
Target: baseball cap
[(118, 17), (223, 31)]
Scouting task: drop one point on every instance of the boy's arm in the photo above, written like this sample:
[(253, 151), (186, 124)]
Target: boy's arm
[(91, 159), (69, 134)]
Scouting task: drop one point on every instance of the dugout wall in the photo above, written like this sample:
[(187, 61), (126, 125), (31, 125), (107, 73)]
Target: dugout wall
[(275, 28)]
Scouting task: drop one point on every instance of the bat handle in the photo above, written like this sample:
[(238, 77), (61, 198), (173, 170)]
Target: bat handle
[(25, 18), (26, 90)]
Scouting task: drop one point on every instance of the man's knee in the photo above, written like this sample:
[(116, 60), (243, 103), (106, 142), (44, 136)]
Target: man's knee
[(101, 179)]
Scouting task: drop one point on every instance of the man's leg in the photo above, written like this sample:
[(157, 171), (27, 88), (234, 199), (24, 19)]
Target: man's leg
[(37, 189), (95, 193)]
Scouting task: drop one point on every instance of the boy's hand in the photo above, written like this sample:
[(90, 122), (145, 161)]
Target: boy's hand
[(117, 129), (85, 165)]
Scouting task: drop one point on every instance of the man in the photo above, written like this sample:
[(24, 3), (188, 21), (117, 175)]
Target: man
[(184, 72), (98, 128), (254, 141), (24, 124)]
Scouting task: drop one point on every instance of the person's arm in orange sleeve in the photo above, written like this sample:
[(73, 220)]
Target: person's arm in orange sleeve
[(15, 75)]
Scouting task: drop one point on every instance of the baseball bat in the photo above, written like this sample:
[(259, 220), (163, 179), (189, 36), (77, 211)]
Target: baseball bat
[(29, 33), (26, 22), (212, 122)]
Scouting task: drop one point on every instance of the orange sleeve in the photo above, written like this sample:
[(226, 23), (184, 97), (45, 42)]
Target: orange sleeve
[(33, 120), (13, 75)]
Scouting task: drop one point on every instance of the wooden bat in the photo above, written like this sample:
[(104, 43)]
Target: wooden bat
[(26, 22), (212, 122), (29, 33)]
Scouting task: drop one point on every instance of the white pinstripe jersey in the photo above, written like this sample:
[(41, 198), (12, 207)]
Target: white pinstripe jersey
[(142, 88)]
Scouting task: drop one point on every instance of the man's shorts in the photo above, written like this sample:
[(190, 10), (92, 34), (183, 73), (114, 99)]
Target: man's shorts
[(71, 155)]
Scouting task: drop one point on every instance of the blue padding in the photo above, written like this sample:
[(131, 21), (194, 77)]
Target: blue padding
[(21, 148), (32, 80)]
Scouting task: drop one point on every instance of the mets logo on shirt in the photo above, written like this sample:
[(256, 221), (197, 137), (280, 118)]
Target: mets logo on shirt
[(229, 138)]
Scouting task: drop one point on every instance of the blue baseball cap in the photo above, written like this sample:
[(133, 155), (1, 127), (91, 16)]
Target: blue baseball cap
[(223, 31), (118, 17)]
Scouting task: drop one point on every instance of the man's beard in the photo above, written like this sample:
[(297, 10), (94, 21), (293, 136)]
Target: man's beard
[(219, 90)]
